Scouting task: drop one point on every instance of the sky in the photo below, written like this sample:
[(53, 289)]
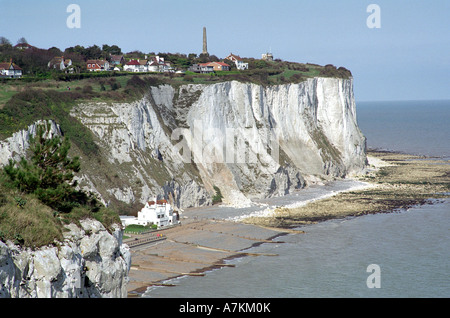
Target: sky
[(406, 58)]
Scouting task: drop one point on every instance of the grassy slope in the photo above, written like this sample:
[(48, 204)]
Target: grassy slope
[(33, 224)]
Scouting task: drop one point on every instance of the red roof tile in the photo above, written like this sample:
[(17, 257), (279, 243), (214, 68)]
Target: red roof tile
[(133, 62)]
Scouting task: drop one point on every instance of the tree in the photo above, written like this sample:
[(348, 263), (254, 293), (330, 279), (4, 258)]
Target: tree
[(113, 49), (93, 52), (4, 41), (217, 198), (22, 40), (49, 173), (54, 51), (230, 63)]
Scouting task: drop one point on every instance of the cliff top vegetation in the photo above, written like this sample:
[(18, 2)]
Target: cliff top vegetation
[(38, 194)]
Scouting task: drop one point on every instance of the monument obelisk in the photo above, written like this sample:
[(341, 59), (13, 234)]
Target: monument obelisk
[(205, 46)]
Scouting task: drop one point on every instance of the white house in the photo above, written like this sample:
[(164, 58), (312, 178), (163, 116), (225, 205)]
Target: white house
[(132, 66), (59, 63), (154, 64), (97, 65), (267, 57), (10, 70), (240, 64), (158, 212), (158, 64)]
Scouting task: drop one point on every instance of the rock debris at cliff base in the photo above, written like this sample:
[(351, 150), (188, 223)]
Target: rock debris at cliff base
[(400, 181)]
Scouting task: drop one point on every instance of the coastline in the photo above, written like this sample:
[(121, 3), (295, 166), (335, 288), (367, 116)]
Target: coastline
[(393, 181)]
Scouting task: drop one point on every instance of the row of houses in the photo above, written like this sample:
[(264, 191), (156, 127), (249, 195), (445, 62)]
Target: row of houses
[(153, 64)]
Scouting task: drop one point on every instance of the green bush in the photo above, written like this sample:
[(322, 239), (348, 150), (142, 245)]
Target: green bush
[(217, 198)]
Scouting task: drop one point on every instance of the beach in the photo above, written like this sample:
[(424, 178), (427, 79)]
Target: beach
[(208, 236), (195, 246)]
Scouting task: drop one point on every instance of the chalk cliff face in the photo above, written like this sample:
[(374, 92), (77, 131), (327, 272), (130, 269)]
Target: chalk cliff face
[(90, 263), (248, 140)]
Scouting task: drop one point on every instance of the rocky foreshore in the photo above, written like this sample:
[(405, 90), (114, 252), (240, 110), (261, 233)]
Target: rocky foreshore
[(396, 181)]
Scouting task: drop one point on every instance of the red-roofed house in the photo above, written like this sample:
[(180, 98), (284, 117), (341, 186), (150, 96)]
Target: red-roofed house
[(219, 66), (201, 68), (158, 64), (11, 70), (23, 46), (132, 66), (97, 65)]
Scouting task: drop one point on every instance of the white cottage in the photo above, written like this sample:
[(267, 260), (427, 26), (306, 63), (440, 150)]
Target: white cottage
[(10, 70), (238, 61), (158, 212)]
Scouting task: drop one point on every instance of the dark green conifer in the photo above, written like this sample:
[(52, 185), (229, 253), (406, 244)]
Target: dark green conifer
[(49, 173)]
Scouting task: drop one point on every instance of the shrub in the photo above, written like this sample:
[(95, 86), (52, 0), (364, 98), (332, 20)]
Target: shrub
[(217, 198)]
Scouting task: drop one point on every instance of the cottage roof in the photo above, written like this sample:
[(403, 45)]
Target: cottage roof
[(99, 62), (234, 57), (222, 63), (7, 66), (116, 57), (23, 45), (211, 64), (58, 59), (133, 62), (157, 202)]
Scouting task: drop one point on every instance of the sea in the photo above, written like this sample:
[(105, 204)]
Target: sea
[(396, 255)]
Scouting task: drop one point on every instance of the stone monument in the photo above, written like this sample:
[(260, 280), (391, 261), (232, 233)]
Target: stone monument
[(205, 46)]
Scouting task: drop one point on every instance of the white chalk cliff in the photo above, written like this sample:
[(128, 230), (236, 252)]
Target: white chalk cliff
[(290, 134), (251, 141)]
